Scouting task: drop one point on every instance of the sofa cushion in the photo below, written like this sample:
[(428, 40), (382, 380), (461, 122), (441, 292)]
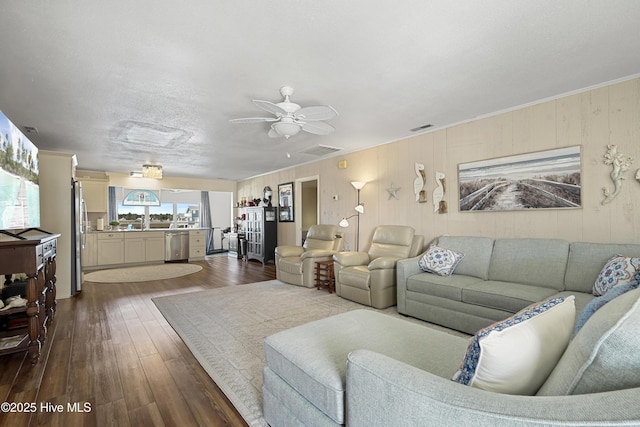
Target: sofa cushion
[(311, 358), (511, 297), (619, 270), (444, 287), (586, 261), (440, 261), (516, 355), (603, 356), (537, 262), (477, 252)]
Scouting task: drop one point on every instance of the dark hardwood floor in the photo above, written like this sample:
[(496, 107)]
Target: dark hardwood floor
[(110, 353)]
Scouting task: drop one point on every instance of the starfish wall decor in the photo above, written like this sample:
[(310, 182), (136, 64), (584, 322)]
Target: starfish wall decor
[(393, 192)]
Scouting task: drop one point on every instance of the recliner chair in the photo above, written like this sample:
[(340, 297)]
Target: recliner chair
[(369, 278), (296, 264)]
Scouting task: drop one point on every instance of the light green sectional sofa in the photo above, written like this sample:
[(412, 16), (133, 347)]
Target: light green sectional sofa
[(497, 278), (365, 368)]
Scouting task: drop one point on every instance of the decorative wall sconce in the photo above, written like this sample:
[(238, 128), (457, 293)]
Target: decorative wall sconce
[(358, 185)]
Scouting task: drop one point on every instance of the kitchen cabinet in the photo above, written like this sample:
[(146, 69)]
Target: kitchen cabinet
[(154, 246), (261, 233), (197, 244), (134, 246), (123, 247), (110, 248), (90, 250), (95, 194), (143, 246)]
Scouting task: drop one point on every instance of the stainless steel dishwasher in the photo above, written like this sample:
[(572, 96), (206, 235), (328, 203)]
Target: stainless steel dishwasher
[(176, 245)]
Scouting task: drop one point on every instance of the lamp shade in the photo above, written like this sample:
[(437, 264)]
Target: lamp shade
[(359, 208), (358, 184), (344, 223)]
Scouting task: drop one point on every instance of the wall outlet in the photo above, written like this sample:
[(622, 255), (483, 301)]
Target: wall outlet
[(335, 197)]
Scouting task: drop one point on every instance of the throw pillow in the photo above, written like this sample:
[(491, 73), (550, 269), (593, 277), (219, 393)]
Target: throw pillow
[(604, 355), (619, 270), (516, 355), (598, 302), (439, 260)]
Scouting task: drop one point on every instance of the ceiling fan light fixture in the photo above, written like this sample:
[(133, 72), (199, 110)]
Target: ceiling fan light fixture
[(290, 118), (285, 129)]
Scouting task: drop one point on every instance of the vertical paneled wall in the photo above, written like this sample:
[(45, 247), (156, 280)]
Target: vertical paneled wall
[(591, 119)]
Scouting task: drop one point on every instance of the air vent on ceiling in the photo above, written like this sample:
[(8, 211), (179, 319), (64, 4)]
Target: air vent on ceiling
[(321, 150), (423, 127)]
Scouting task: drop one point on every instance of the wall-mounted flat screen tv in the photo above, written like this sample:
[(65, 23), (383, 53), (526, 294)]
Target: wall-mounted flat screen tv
[(19, 187)]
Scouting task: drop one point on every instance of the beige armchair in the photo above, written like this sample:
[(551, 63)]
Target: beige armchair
[(296, 264), (369, 278)]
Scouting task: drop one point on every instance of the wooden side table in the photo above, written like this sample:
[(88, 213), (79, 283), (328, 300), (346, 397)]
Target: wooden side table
[(324, 275)]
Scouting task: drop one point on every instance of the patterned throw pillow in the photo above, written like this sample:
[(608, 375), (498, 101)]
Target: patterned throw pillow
[(440, 261), (516, 355), (597, 303), (619, 270)]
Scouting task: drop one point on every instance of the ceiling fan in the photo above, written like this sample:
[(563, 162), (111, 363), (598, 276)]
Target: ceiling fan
[(291, 118)]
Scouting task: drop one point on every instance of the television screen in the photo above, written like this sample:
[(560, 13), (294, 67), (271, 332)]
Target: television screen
[(19, 187)]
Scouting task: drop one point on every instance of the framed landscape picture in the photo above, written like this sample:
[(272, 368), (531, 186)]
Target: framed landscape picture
[(285, 202), (541, 180)]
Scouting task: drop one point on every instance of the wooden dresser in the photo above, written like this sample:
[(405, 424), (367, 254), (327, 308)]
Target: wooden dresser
[(32, 253)]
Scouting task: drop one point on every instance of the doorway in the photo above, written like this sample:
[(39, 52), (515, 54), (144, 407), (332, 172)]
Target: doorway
[(307, 206)]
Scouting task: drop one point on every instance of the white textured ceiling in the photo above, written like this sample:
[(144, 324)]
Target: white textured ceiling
[(122, 83)]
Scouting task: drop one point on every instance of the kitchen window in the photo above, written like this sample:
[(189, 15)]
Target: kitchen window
[(177, 209)]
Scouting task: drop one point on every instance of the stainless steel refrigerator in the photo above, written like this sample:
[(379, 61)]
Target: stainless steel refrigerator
[(78, 228)]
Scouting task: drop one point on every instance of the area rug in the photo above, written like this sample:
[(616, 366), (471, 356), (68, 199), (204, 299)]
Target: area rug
[(143, 273), (225, 328)]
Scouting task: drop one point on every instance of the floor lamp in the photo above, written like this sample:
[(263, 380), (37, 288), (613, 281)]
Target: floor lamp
[(358, 185)]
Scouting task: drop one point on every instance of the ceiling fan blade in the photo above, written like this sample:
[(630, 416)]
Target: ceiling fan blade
[(318, 128), (318, 112), (270, 107), (273, 134), (254, 120)]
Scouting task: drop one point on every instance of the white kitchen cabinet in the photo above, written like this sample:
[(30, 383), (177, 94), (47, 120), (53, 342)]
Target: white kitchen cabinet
[(95, 194), (154, 246), (143, 246), (134, 248), (197, 244), (90, 250), (110, 248)]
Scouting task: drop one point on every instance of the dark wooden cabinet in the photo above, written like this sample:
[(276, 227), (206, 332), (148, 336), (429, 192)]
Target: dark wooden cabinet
[(261, 233), (25, 328)]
